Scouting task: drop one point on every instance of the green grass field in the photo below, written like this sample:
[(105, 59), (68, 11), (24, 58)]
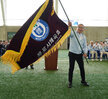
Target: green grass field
[(42, 84)]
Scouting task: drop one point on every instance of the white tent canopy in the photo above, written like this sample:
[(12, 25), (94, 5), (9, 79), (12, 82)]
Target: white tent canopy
[(88, 12)]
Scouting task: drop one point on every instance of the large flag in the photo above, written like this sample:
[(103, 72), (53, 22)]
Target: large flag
[(41, 34)]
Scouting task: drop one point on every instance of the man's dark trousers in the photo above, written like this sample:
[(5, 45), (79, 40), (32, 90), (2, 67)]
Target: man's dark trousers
[(79, 59)]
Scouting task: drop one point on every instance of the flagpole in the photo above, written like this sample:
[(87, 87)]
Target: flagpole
[(73, 30)]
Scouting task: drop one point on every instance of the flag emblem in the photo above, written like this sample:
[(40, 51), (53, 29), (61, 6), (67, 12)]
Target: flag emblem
[(40, 30)]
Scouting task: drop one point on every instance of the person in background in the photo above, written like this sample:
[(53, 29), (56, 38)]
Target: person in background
[(96, 48), (1, 46), (102, 50), (75, 54), (92, 51), (5, 45), (106, 48), (31, 66)]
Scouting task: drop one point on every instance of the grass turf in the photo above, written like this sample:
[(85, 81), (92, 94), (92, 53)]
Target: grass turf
[(42, 84)]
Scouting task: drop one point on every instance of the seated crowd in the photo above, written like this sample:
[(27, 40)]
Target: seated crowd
[(97, 50)]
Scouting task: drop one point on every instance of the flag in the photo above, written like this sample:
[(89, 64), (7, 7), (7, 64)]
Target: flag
[(41, 34)]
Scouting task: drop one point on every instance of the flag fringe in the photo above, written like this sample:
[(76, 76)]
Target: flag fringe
[(11, 57), (56, 46)]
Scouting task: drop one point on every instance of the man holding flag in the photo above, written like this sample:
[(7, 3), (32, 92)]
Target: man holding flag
[(76, 54)]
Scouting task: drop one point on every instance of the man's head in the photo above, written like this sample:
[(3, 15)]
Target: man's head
[(80, 28)]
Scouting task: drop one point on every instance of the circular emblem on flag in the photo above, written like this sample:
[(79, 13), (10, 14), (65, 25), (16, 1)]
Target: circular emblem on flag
[(40, 30)]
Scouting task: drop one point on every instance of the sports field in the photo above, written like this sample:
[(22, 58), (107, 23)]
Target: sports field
[(42, 84)]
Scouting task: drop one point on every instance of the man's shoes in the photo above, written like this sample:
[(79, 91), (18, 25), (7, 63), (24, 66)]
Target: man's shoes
[(69, 85), (84, 83)]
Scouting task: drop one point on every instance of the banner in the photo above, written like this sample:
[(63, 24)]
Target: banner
[(42, 34)]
